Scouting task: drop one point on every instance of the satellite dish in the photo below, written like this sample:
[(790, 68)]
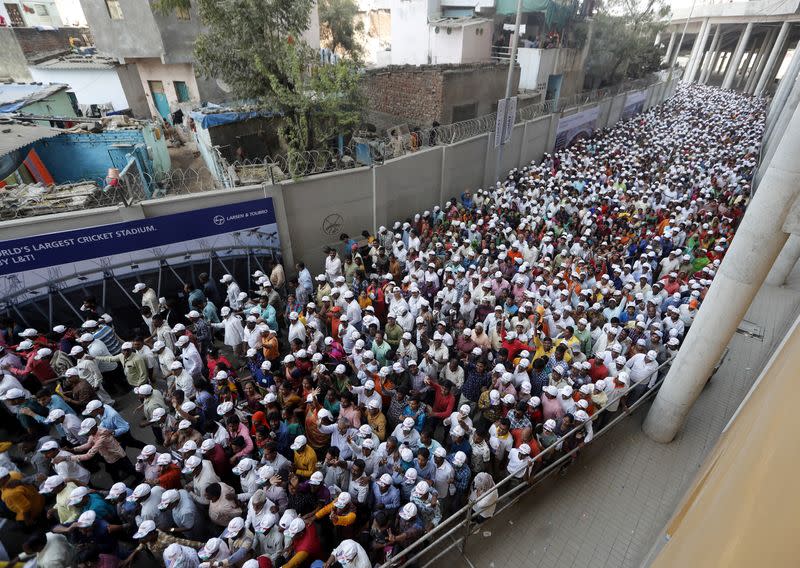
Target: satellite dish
[(224, 86)]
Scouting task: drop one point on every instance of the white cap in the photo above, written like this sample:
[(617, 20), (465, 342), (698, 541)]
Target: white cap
[(235, 526), (409, 511), (148, 450), (299, 442), (316, 478), (77, 495), (145, 528), (164, 459), (86, 519), (92, 406), (48, 446), (86, 426), (54, 415), (295, 528), (175, 365), (59, 328), (117, 490), (42, 353), (76, 350), (139, 492), (184, 425), (168, 497), (50, 484), (210, 548), (139, 287), (143, 390)]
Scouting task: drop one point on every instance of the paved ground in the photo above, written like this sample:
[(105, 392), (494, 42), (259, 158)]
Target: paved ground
[(612, 505)]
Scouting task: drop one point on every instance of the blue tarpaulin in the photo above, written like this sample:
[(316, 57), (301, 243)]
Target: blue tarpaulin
[(220, 118)]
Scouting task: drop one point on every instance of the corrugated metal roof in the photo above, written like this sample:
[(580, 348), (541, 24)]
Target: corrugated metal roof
[(77, 61), (15, 135), (14, 96)]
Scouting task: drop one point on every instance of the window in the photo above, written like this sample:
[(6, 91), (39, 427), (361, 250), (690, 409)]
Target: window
[(182, 91), (114, 9), (41, 9), (182, 13)]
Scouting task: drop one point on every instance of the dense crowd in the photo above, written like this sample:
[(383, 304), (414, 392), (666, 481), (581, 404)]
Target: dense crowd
[(333, 420)]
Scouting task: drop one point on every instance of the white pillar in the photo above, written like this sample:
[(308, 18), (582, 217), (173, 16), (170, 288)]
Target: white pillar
[(697, 51), (668, 55), (761, 59), (705, 68), (698, 61), (736, 59), (744, 69), (757, 243), (785, 263), (785, 86), (777, 48), (779, 122)]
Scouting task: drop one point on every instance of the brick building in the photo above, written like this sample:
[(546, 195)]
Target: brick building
[(443, 93)]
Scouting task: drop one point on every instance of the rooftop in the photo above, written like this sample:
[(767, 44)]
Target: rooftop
[(77, 61), (15, 135), (14, 96)]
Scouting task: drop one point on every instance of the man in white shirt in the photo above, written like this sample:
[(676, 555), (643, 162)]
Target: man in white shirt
[(149, 296), (333, 265), (233, 291), (190, 357)]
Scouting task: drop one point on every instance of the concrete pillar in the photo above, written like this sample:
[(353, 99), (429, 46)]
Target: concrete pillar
[(777, 48), (736, 58), (785, 86), (670, 46), (697, 52), (785, 263), (778, 123), (754, 249), (721, 63), (708, 64), (744, 71), (755, 74)]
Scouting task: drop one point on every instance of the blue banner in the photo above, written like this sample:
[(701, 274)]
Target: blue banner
[(54, 249)]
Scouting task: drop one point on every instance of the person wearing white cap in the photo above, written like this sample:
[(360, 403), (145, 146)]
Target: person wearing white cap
[(305, 458), (406, 434), (232, 292), (519, 462), (149, 296), (133, 364), (111, 420), (102, 442), (69, 470), (643, 372), (181, 380), (233, 330), (182, 515), (62, 489), (429, 508), (180, 556), (190, 357), (305, 543), (460, 418), (215, 552), (349, 554)]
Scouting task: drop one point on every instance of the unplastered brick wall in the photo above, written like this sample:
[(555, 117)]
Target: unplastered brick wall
[(39, 44), (421, 94), (414, 93)]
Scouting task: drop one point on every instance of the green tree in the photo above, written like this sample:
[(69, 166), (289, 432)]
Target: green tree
[(622, 41), (339, 26), (255, 47)]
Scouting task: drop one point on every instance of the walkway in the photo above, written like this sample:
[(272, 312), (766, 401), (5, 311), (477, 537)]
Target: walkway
[(610, 508)]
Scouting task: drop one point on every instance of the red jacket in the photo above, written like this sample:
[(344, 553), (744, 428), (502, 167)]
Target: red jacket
[(442, 405)]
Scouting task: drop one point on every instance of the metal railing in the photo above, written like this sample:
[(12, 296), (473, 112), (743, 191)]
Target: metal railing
[(454, 531)]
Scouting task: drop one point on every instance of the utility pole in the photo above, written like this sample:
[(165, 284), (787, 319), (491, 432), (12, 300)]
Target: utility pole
[(509, 83)]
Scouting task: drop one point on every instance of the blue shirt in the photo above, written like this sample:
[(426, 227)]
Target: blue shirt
[(390, 500), (106, 335), (111, 420)]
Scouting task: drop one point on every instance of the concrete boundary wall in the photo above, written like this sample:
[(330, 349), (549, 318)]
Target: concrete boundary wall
[(312, 212)]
